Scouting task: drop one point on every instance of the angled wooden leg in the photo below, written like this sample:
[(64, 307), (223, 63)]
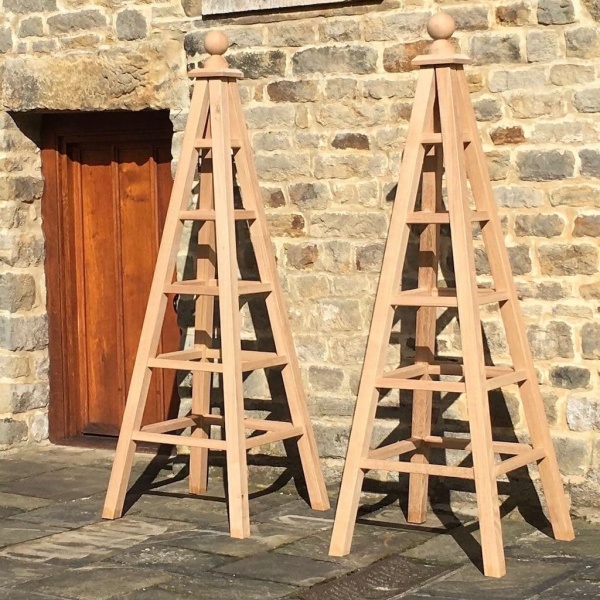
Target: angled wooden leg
[(204, 319), (425, 337), (514, 325), (383, 313), (235, 433), (470, 324), (155, 311), (277, 311)]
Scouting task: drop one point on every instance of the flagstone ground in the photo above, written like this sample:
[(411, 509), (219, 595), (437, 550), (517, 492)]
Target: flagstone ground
[(168, 546)]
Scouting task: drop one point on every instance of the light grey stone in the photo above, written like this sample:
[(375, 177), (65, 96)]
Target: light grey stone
[(555, 12), (545, 165), (131, 25)]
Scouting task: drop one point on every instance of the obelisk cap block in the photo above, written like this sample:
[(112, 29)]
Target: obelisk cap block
[(216, 44), (441, 27)]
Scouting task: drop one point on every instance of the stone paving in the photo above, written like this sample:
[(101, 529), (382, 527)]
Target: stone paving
[(168, 546)]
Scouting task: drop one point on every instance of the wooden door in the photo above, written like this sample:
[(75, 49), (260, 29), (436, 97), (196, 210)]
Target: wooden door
[(107, 186)]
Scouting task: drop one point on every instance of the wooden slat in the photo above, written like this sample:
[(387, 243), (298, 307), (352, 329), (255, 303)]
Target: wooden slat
[(395, 449), (506, 379), (171, 425), (407, 372), (252, 424), (450, 443), (518, 461), (204, 288), (436, 138), (425, 469), (443, 297), (184, 365), (274, 436), (179, 440), (270, 360), (399, 383), (209, 215), (208, 143), (425, 217)]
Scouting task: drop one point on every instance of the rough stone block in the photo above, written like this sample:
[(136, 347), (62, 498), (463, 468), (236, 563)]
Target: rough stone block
[(518, 197), (539, 225), (17, 291), (369, 257), (583, 413), (573, 454), (590, 341), (75, 21), (22, 397), (469, 18), (569, 377), (571, 75), (310, 196), (339, 30), (339, 89), (555, 12), (487, 109), (273, 117), (527, 78), (23, 332), (39, 426), (292, 34), (565, 132), (588, 100), (301, 256), (590, 163), (582, 42), (394, 26), (552, 341), (27, 6), (587, 225), (542, 46), (516, 14), (12, 432), (325, 379), (13, 366), (286, 225), (131, 25), (507, 135), (327, 166), (398, 58), (493, 48), (258, 64), (357, 59), (498, 164), (293, 91), (576, 195), (545, 165), (347, 141), (387, 88), (525, 105), (281, 167), (594, 8), (520, 261), (32, 26), (568, 259), (6, 42)]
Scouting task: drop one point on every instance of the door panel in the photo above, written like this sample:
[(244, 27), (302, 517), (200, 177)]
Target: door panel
[(108, 181)]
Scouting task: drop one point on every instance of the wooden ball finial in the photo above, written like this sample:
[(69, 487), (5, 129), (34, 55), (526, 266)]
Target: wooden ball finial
[(216, 43), (441, 26)]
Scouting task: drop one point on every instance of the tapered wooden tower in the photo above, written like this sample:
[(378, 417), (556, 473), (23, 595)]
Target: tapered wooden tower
[(216, 148), (442, 142)]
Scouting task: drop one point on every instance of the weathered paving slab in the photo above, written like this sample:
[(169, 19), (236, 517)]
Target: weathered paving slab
[(227, 587), (81, 546), (169, 559), (74, 513), (264, 536), (96, 582), (62, 484), (295, 570), (369, 544), (20, 502), (383, 580), (574, 590), (524, 579), (17, 532)]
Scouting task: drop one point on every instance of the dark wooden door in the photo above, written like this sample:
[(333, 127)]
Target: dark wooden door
[(107, 186)]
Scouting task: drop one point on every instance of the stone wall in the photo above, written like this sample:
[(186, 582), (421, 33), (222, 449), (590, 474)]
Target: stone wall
[(328, 96)]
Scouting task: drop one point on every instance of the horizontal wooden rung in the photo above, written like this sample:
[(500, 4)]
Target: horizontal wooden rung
[(266, 361), (274, 436), (395, 449), (164, 361), (252, 424), (436, 138), (209, 215), (400, 383), (506, 379), (425, 217), (420, 468), (519, 460), (172, 424), (454, 443), (211, 288), (443, 297), (179, 440), (203, 143)]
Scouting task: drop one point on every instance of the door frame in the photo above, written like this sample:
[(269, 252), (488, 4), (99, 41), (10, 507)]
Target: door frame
[(58, 129)]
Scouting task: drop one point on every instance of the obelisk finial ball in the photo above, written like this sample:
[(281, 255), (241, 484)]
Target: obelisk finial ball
[(216, 42), (441, 26)]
